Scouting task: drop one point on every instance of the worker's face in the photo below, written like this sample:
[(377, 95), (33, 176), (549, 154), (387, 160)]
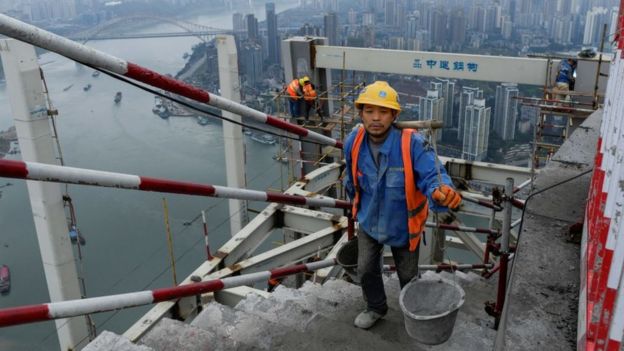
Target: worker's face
[(377, 121)]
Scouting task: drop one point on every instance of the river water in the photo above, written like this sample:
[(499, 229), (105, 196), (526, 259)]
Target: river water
[(126, 246)]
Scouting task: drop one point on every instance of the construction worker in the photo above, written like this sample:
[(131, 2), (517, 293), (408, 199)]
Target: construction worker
[(392, 177), (295, 91), (310, 99), (566, 77)]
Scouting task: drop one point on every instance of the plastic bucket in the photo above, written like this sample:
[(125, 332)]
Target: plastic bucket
[(430, 308), (347, 257)]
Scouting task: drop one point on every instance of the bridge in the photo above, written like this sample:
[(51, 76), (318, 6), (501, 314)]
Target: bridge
[(101, 31), (119, 36)]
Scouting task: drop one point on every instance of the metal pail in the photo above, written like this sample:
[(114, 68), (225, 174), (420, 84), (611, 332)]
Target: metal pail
[(347, 257), (430, 308)]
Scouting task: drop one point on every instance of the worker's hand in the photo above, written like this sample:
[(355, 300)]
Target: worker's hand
[(446, 196)]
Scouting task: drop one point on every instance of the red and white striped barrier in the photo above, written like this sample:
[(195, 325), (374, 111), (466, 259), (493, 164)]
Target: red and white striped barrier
[(36, 36), (73, 308), (70, 175), (601, 300)]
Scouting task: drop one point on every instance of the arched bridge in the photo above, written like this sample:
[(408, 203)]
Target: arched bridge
[(100, 32)]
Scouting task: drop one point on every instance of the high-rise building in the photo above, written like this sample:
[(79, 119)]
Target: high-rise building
[(437, 28), (411, 27), (447, 92), (457, 29), (594, 20), (251, 59), (506, 27), (252, 27), (352, 17), (561, 29), (273, 39), (330, 21), (476, 131), (396, 43), (468, 95), (368, 19), (238, 23), (432, 107), (506, 110), (390, 13), (309, 30)]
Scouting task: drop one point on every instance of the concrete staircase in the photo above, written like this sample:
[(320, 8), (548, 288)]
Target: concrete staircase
[(313, 317)]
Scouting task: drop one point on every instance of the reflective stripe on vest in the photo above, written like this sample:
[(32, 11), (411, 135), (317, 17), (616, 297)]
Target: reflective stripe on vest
[(417, 206), (293, 87)]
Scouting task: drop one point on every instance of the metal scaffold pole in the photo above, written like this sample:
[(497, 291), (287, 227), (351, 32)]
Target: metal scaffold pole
[(504, 258)]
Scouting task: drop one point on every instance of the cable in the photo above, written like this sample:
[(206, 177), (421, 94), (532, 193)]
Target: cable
[(526, 202), (194, 107)]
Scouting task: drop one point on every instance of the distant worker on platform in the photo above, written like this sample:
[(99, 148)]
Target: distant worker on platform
[(392, 178), (295, 91), (566, 76), (310, 98)]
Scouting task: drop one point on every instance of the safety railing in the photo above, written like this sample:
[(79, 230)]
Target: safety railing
[(601, 300)]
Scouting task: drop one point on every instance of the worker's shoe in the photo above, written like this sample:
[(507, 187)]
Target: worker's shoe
[(367, 319)]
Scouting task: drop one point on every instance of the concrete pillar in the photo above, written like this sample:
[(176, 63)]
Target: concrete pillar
[(232, 133), (298, 57), (28, 105)]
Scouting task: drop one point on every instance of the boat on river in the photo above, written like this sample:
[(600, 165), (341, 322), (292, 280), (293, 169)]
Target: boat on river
[(86, 87), (118, 97), (95, 74), (264, 139), (5, 279)]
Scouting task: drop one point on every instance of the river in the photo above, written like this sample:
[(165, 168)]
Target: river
[(126, 246)]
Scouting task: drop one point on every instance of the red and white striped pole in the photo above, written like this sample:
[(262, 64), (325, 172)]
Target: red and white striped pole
[(73, 308), (208, 255), (36, 36), (70, 175)]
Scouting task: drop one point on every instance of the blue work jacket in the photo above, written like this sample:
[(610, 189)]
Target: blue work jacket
[(383, 208), (565, 73)]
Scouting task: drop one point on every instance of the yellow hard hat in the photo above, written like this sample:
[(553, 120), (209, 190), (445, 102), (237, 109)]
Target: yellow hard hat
[(379, 93), (303, 80)]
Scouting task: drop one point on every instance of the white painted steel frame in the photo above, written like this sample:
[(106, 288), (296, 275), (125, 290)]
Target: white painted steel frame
[(521, 70)]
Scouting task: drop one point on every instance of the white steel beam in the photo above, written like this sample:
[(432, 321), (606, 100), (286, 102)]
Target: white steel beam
[(250, 237), (521, 70), (232, 133), (484, 171), (306, 221), (28, 105), (322, 178)]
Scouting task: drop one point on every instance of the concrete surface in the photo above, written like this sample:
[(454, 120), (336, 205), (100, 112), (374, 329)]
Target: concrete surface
[(541, 306)]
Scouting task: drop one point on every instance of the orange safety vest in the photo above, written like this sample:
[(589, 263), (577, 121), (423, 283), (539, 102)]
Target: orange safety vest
[(309, 94), (293, 89), (417, 206)]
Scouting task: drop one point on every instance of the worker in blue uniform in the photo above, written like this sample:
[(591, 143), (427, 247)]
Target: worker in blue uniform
[(392, 176)]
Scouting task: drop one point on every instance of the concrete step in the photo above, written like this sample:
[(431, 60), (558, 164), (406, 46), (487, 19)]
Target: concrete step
[(170, 335), (321, 332), (244, 330), (108, 341), (342, 301)]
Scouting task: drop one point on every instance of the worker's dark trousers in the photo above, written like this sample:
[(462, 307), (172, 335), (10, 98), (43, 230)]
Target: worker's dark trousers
[(295, 108), (369, 270)]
